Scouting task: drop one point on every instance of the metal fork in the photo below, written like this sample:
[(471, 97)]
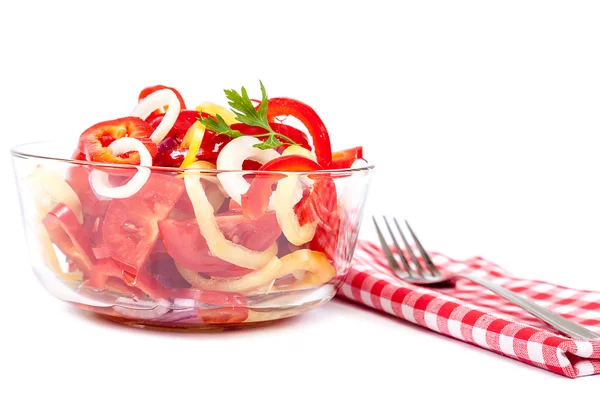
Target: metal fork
[(426, 273)]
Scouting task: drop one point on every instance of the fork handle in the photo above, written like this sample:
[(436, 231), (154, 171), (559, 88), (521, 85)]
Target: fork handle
[(562, 324)]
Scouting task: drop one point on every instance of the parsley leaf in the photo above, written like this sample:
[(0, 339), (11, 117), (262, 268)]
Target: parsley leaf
[(245, 112), (219, 126), (270, 143)]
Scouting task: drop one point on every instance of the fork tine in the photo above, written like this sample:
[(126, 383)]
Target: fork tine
[(388, 252), (430, 265), (403, 259), (409, 250)]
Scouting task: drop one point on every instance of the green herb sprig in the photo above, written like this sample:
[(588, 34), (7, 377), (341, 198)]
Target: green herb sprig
[(245, 112)]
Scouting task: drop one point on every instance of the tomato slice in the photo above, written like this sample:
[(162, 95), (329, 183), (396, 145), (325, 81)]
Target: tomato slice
[(233, 206), (69, 236), (118, 285), (92, 226), (151, 89), (345, 158), (78, 177), (184, 208), (130, 227), (187, 246), (94, 141), (256, 199), (295, 134), (282, 106)]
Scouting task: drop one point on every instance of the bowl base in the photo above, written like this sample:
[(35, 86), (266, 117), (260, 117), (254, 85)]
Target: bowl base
[(264, 310), (182, 328)]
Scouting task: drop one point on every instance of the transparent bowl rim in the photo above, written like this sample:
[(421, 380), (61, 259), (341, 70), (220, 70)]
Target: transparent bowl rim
[(19, 151)]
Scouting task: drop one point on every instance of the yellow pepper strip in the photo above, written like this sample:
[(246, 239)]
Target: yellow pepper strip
[(48, 254), (214, 196), (286, 215), (48, 189), (192, 140), (299, 150), (246, 283), (316, 267), (214, 109), (218, 245), (215, 193)]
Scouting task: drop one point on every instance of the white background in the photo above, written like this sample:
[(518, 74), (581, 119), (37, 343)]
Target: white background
[(481, 117)]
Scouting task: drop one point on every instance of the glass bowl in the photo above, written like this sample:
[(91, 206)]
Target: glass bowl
[(180, 252)]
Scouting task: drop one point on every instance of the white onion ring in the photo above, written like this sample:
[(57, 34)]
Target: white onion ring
[(99, 179), (359, 163), (286, 216), (154, 101), (231, 158), (218, 245)]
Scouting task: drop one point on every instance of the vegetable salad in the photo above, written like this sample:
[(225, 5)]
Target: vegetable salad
[(210, 203)]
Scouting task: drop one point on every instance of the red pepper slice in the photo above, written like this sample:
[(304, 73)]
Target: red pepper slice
[(295, 134), (101, 271), (69, 236), (151, 89), (327, 233), (79, 153), (106, 268), (282, 106), (170, 154), (345, 158), (256, 199), (212, 144), (321, 202), (184, 120), (251, 165), (95, 140)]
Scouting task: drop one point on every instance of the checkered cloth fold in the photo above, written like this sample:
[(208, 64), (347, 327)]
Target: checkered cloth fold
[(473, 314)]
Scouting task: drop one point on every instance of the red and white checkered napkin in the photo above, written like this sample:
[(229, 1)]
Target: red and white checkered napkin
[(473, 314)]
